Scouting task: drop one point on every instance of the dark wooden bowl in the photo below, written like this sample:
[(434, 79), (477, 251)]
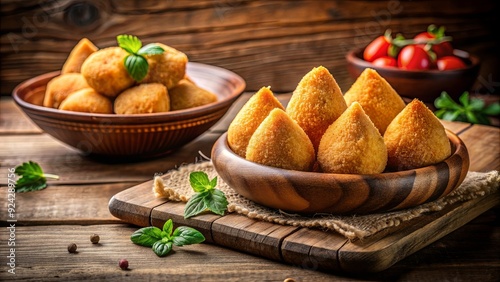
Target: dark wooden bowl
[(311, 192), (426, 85), (130, 137)]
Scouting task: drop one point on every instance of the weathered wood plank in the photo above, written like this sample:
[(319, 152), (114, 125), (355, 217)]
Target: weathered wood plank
[(483, 144)]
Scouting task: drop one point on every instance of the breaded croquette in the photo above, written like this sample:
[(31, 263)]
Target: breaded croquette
[(186, 95), (87, 100), (78, 55), (143, 99), (255, 110), (416, 138), (167, 68), (61, 86), (281, 142), (105, 71), (377, 97), (316, 103), (352, 145)]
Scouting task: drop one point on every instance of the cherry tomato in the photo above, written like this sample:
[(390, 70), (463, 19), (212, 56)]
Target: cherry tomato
[(450, 63), (414, 57), (376, 49), (385, 61), (442, 49)]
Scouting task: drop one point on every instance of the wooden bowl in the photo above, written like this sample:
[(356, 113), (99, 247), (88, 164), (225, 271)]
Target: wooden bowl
[(312, 192), (130, 137), (426, 85)]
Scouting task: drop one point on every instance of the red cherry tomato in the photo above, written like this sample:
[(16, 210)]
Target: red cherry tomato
[(376, 49), (450, 63), (442, 49), (414, 57), (385, 61)]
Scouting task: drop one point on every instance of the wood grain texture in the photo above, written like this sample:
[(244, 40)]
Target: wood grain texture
[(267, 42)]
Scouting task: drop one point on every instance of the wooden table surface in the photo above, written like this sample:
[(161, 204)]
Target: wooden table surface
[(76, 206)]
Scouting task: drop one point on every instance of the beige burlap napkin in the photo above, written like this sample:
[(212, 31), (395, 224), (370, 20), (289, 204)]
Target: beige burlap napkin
[(174, 186)]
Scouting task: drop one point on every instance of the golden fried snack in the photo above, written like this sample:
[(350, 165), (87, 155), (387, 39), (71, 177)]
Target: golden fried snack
[(105, 71), (255, 110), (416, 138), (87, 100), (187, 95), (281, 142), (352, 145), (377, 97), (316, 103), (78, 55), (61, 87), (143, 99), (167, 68)]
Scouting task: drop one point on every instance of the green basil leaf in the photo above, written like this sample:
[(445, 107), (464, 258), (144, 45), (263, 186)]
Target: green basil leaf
[(184, 235), (137, 66), (168, 227), (492, 110), (452, 115), (471, 117), (199, 181), (439, 113), (129, 43), (216, 202), (146, 236), (151, 49), (195, 205), (476, 104), (444, 101), (161, 248)]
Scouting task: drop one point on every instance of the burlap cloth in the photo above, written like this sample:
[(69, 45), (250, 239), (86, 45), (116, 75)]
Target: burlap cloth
[(174, 186)]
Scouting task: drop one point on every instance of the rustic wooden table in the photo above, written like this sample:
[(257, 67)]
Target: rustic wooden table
[(35, 246)]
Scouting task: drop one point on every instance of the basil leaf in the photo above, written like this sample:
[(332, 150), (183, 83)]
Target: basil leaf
[(168, 227), (476, 104), (199, 181), (184, 235), (195, 205), (129, 43), (445, 101), (464, 99), (161, 248), (151, 49), (146, 236), (137, 66), (492, 110), (216, 201)]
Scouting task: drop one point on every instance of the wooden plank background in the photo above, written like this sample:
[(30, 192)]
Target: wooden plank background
[(267, 42)]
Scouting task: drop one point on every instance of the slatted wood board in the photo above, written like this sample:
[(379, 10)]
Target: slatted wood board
[(303, 247)]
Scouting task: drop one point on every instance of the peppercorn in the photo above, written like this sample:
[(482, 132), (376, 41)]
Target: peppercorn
[(72, 248), (123, 263), (94, 238)]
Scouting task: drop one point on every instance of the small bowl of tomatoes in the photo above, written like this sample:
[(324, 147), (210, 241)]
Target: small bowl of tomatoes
[(421, 67)]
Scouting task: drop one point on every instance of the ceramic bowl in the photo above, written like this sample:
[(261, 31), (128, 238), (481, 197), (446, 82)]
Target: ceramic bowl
[(139, 136), (425, 85), (341, 194)]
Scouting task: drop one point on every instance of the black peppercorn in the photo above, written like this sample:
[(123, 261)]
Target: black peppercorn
[(94, 238), (72, 248)]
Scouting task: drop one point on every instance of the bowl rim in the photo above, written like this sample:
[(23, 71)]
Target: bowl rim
[(353, 56), (458, 148), (236, 80)]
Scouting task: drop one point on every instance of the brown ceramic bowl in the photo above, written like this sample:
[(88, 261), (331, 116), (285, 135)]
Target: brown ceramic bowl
[(128, 137), (425, 85), (312, 192)]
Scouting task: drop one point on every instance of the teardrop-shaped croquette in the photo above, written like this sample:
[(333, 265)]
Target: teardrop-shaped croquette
[(281, 142), (61, 86), (187, 95), (416, 138), (167, 68), (255, 110), (352, 145), (87, 100), (377, 97), (143, 99), (105, 71), (316, 103), (78, 55)]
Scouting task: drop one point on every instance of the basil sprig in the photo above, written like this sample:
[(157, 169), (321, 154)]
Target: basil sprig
[(162, 240), (206, 196), (471, 110), (135, 62)]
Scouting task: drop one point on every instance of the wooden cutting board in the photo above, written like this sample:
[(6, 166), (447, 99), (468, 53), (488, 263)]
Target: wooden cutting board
[(303, 247)]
